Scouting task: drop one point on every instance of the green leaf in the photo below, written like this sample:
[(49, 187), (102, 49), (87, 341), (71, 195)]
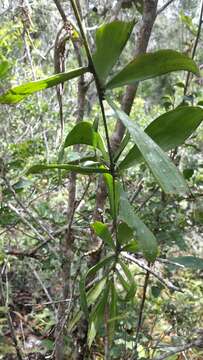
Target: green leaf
[(36, 169), (113, 194), (122, 281), (84, 133), (131, 281), (147, 66), (168, 131), (110, 41), (92, 296), (191, 262), (87, 299), (163, 169), (125, 233), (146, 240), (4, 66), (108, 260), (102, 231), (131, 247), (112, 312), (95, 292), (18, 93), (97, 316)]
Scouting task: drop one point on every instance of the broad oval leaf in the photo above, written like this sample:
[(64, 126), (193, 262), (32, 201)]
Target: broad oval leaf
[(147, 66), (36, 169), (84, 133), (163, 169), (146, 240), (168, 131), (110, 41), (18, 93)]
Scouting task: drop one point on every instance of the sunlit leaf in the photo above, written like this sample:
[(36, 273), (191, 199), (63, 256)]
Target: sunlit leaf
[(147, 66), (163, 169), (103, 232), (4, 66), (168, 131), (18, 93)]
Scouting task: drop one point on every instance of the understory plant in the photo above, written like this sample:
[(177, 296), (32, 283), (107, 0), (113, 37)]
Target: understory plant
[(123, 239)]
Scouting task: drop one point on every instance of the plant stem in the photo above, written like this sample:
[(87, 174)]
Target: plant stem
[(139, 323), (100, 90), (195, 47)]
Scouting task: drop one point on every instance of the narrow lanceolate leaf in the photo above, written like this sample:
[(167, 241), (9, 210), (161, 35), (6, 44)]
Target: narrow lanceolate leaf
[(92, 296), (39, 168), (4, 66), (89, 298), (105, 262), (110, 41), (113, 194), (168, 131), (18, 93), (130, 280), (146, 240), (103, 232), (84, 133), (96, 319), (112, 312), (150, 65), (164, 171)]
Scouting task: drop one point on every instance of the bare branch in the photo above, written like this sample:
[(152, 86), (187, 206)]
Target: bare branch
[(141, 264), (195, 47), (196, 343), (159, 11)]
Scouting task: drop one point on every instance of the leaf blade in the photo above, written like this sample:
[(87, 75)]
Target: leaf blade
[(38, 168), (19, 93), (164, 171), (4, 66), (146, 240), (102, 231), (150, 65), (110, 41), (168, 131)]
